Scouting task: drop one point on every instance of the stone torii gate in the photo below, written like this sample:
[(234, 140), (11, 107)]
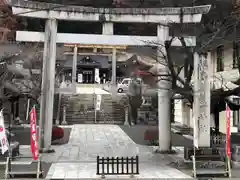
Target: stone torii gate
[(109, 16)]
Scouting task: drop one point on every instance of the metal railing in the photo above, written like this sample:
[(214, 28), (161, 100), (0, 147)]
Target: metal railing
[(37, 173), (117, 166)]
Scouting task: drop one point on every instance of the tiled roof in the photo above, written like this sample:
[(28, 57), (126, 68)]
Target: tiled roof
[(102, 61)]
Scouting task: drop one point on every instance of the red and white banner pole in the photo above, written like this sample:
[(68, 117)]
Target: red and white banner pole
[(33, 134), (5, 146), (228, 138)]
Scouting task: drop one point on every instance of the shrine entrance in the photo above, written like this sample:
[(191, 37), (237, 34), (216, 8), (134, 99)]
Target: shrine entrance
[(88, 76), (108, 16)]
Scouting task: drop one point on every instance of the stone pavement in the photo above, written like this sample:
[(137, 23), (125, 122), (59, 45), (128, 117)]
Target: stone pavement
[(77, 159)]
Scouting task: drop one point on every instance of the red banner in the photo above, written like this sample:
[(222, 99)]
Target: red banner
[(33, 133), (228, 132)]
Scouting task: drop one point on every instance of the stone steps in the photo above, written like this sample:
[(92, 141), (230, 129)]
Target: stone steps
[(75, 118), (80, 109)]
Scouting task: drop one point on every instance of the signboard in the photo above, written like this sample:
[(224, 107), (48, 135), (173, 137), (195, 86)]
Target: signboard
[(201, 101), (98, 102), (3, 137), (33, 133), (97, 79), (80, 78), (228, 132)]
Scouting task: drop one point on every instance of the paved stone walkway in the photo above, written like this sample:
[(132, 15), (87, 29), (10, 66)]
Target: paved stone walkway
[(77, 159)]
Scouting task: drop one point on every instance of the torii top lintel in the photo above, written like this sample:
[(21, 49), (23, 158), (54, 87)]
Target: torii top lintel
[(80, 13)]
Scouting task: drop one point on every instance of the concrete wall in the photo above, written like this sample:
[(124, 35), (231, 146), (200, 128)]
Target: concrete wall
[(181, 110)]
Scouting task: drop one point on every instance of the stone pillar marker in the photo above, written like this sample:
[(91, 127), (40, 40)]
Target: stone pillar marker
[(201, 100), (126, 122), (48, 81), (164, 100), (64, 122)]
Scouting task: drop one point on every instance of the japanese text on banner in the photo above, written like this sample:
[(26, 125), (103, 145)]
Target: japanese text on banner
[(33, 134), (228, 132)]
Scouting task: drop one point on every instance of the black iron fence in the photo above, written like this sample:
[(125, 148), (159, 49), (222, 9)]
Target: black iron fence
[(117, 165), (217, 140)]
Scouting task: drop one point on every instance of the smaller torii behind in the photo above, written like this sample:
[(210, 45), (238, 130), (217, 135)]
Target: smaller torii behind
[(112, 57)]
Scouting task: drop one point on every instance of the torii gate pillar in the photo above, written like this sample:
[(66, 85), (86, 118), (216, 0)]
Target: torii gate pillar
[(48, 82), (164, 96)]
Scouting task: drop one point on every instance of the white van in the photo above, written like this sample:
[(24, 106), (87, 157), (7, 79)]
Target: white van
[(124, 85)]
